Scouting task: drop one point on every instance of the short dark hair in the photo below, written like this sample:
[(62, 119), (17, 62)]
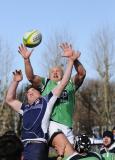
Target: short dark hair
[(33, 86), (11, 147), (108, 134)]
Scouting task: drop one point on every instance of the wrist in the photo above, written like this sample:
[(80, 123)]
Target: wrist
[(71, 60), (26, 59), (15, 81), (76, 61)]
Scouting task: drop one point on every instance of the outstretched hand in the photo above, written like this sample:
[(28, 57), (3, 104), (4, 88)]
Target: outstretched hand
[(22, 49), (17, 75), (69, 52), (67, 49)]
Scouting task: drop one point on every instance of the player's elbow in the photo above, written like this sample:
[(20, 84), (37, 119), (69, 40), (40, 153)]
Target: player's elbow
[(8, 99), (30, 79), (82, 74), (83, 71), (35, 80)]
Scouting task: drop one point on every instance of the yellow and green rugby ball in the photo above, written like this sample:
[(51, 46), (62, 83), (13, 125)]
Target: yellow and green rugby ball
[(32, 38)]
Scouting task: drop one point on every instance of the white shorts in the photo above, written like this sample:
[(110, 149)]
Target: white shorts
[(55, 127)]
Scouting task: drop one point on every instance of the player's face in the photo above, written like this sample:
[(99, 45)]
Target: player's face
[(32, 95), (106, 141), (56, 74)]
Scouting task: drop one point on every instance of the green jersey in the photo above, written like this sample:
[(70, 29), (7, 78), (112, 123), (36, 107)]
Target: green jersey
[(64, 106), (87, 156), (108, 154)]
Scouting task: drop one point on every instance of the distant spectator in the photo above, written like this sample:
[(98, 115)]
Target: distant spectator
[(113, 131), (11, 147), (108, 149)]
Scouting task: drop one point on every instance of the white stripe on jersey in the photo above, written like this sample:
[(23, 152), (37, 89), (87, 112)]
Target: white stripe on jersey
[(46, 118)]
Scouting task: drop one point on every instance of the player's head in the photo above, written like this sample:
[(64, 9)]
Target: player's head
[(83, 144), (108, 138), (11, 147), (32, 93), (56, 73)]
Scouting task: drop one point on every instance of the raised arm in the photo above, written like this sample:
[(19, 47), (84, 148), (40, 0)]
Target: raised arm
[(11, 93), (72, 56), (81, 72), (34, 79), (80, 75)]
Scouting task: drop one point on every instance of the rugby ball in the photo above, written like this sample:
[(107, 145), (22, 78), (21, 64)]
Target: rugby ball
[(32, 38)]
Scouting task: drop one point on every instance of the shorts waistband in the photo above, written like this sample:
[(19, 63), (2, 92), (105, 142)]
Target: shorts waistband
[(33, 141), (25, 143), (39, 140)]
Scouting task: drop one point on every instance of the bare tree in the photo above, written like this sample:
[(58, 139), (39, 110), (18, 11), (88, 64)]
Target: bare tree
[(52, 52), (90, 107), (103, 47), (6, 63)]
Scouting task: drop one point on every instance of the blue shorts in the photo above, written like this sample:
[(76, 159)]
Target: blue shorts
[(35, 151)]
